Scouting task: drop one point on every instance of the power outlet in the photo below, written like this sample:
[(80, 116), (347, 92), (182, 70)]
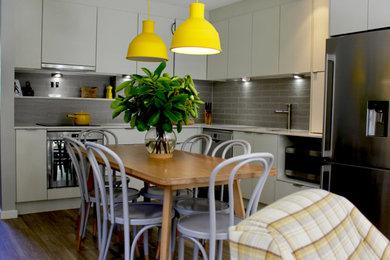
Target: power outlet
[(57, 84), (52, 84)]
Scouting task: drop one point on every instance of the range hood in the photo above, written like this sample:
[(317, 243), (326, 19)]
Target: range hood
[(66, 67)]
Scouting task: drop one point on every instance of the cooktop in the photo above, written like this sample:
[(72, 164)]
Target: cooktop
[(62, 124)]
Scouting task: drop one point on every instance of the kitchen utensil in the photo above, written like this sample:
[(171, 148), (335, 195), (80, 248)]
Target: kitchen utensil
[(81, 118)]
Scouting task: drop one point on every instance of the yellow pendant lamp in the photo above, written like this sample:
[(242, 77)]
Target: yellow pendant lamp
[(196, 35), (147, 46)]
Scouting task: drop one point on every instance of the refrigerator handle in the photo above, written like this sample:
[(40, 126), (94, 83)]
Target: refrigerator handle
[(325, 177), (329, 105)]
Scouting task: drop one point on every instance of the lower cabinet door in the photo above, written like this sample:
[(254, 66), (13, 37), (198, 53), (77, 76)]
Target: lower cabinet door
[(283, 188), (31, 165)]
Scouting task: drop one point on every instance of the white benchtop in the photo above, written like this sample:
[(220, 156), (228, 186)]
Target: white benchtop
[(242, 128)]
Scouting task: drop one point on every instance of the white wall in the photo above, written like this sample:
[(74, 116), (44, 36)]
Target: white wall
[(7, 111)]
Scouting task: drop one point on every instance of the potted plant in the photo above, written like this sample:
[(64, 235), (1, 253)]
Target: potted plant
[(155, 103)]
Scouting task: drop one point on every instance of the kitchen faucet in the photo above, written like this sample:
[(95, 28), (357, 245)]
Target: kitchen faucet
[(288, 112)]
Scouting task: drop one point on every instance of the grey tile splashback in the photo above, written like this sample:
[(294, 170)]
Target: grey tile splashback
[(249, 103), (254, 103)]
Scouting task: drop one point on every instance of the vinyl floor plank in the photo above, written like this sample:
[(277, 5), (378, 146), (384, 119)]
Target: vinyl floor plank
[(52, 235)]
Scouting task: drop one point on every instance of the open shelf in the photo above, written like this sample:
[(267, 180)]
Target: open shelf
[(65, 98)]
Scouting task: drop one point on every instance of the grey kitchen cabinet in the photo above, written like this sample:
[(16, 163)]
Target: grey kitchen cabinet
[(28, 23), (347, 16), (265, 42), (68, 33), (317, 102), (378, 14), (295, 37), (283, 188), (31, 165), (194, 65), (162, 27), (259, 143), (240, 46), (115, 30), (320, 34), (217, 64)]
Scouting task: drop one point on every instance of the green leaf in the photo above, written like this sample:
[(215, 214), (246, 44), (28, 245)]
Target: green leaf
[(154, 118), (127, 116), (132, 121), (178, 115), (115, 104), (141, 126), (179, 98), (160, 68), (147, 72), (144, 90), (186, 118), (118, 110), (180, 106), (167, 127), (158, 103), (122, 86), (160, 94), (179, 127), (168, 106), (166, 75), (171, 116), (136, 76), (175, 78), (198, 101)]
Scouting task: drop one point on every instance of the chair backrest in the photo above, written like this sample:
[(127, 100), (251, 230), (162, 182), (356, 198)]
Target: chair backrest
[(225, 146), (312, 224), (266, 160), (106, 135), (230, 144), (74, 149), (190, 143), (100, 152)]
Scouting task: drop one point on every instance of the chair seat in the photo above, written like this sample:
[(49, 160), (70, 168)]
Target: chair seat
[(157, 193), (132, 194), (199, 205), (143, 213), (198, 225)]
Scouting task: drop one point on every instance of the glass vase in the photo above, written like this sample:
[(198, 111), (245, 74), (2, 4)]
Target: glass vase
[(160, 144)]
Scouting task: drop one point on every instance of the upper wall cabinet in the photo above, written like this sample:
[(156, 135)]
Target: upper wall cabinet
[(217, 64), (295, 37), (194, 65), (240, 41), (347, 16), (320, 33), (162, 27), (265, 42), (68, 33), (115, 30), (378, 14), (28, 23)]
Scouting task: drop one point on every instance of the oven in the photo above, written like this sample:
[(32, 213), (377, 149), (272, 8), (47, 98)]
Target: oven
[(60, 170)]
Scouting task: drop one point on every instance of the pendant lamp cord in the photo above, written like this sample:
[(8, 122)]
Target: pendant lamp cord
[(149, 10)]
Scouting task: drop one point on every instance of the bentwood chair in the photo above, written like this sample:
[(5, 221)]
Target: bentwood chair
[(195, 205), (108, 137), (212, 225), (143, 214), (188, 145), (88, 197)]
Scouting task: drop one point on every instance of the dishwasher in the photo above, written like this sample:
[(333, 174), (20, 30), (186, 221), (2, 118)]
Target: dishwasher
[(218, 137)]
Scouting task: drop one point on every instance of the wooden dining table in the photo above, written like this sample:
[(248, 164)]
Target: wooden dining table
[(183, 170)]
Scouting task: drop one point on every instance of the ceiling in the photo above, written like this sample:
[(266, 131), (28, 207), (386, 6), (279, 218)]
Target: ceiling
[(210, 4)]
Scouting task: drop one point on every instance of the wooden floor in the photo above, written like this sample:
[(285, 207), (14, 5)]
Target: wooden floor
[(52, 235)]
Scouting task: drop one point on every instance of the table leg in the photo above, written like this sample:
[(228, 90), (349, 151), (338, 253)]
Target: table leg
[(166, 224), (239, 209)]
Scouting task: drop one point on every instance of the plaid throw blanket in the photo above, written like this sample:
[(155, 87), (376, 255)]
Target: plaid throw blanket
[(310, 224)]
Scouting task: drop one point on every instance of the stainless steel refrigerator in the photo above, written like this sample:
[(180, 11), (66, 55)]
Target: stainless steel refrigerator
[(356, 143)]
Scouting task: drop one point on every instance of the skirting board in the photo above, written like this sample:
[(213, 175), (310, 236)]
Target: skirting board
[(47, 205), (8, 214)]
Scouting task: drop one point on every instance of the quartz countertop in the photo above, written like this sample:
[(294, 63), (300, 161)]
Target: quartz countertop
[(241, 128)]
